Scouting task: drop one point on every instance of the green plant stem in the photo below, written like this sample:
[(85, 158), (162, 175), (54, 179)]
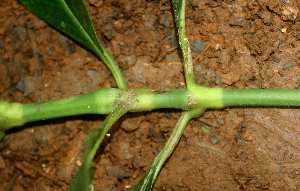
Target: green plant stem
[(113, 67), (147, 181), (10, 115), (104, 101), (83, 178), (261, 97), (147, 100), (218, 98), (179, 12), (97, 102)]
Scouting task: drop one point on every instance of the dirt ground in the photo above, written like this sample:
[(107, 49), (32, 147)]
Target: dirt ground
[(245, 43)]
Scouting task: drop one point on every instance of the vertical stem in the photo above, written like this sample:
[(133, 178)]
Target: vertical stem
[(179, 12), (113, 67)]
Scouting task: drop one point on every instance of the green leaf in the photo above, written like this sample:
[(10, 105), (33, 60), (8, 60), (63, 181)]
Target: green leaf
[(69, 16), (145, 184), (207, 131), (83, 178), (72, 18)]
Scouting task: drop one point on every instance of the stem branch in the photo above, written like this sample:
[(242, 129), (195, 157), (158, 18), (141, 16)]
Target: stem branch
[(148, 179), (179, 12)]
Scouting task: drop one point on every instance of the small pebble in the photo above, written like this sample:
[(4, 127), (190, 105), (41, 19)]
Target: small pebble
[(283, 30), (238, 139), (95, 75), (62, 40), (214, 139), (207, 74), (168, 115), (198, 46), (166, 20), (219, 80), (239, 22), (151, 131), (70, 48), (78, 163), (198, 68), (108, 29), (65, 130), (209, 15), (160, 138), (287, 66), (266, 15), (21, 31), (127, 62), (25, 85), (117, 171)]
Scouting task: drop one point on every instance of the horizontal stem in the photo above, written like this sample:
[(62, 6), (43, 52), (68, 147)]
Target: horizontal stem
[(10, 115), (97, 102), (147, 100), (261, 97), (104, 101), (217, 98)]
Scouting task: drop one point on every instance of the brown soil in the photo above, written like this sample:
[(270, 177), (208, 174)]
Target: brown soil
[(249, 44)]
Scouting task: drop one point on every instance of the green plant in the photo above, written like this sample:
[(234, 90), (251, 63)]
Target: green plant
[(116, 102)]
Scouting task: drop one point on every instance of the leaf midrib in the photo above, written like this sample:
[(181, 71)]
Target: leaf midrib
[(78, 23)]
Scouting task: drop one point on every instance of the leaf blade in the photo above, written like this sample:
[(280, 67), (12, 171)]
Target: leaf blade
[(61, 13), (72, 18)]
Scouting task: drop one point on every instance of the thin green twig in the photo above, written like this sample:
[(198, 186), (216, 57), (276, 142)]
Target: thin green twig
[(148, 179)]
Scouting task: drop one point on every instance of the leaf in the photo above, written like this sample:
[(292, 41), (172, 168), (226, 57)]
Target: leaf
[(207, 131), (72, 18), (145, 184), (69, 16)]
